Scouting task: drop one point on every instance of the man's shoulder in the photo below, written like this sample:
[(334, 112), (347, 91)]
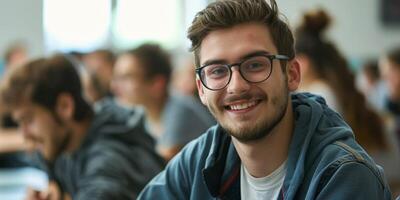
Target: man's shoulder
[(183, 174), (203, 145), (111, 141), (344, 156)]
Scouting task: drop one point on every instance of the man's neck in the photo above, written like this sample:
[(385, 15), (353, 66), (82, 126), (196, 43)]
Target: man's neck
[(264, 156), (78, 133)]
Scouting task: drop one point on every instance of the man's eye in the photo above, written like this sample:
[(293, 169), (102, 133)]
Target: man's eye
[(217, 72), (255, 66)]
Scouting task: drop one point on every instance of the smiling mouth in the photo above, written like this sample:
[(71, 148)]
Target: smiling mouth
[(242, 106)]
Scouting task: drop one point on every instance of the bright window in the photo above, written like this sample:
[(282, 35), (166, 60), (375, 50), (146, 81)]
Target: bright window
[(80, 25), (142, 21)]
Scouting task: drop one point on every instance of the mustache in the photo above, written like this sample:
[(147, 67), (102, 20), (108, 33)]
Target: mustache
[(246, 96)]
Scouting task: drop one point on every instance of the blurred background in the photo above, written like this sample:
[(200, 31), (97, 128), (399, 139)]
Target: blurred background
[(363, 31)]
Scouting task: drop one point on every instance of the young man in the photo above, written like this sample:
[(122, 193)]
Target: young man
[(269, 143), (142, 77), (87, 155)]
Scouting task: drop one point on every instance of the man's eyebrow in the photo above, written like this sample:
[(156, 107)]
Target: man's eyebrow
[(213, 61), (255, 53), (223, 61)]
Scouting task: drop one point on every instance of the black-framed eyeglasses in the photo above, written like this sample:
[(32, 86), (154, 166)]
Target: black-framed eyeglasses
[(255, 69)]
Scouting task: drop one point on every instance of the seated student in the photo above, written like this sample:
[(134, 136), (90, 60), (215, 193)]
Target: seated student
[(389, 65), (11, 142), (142, 77), (99, 65), (86, 155), (269, 143), (390, 68)]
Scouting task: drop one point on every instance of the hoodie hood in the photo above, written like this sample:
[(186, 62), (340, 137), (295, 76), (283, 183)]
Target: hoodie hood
[(316, 126), (121, 124)]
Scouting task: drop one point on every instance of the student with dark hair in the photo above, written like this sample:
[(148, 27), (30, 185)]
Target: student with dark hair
[(12, 147), (389, 65), (99, 65), (268, 143), (86, 155), (372, 86), (142, 78), (390, 69)]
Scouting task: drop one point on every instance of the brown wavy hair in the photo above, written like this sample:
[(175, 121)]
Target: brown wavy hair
[(228, 13), (331, 66), (41, 81)]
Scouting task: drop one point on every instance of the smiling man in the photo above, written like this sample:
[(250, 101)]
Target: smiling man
[(269, 143), (87, 155)]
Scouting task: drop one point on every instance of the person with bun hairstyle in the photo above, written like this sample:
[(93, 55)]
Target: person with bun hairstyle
[(325, 72), (269, 143)]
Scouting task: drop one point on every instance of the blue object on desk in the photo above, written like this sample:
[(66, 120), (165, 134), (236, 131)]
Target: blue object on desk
[(14, 182)]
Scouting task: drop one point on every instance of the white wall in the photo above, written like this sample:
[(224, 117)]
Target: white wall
[(21, 20), (356, 28)]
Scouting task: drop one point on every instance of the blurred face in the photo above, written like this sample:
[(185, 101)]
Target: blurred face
[(41, 131), (391, 74), (18, 57), (185, 79), (129, 84), (96, 64), (248, 111)]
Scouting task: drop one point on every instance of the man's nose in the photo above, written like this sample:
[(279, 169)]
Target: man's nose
[(238, 84)]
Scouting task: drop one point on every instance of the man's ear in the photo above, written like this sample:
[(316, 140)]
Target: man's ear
[(293, 75), (200, 89), (65, 106)]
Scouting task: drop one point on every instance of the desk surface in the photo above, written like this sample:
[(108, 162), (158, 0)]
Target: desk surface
[(14, 182)]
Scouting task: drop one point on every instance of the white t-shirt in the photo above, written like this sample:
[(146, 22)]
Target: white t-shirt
[(262, 188)]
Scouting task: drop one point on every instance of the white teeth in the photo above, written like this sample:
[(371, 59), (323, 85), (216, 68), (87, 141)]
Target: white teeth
[(242, 106)]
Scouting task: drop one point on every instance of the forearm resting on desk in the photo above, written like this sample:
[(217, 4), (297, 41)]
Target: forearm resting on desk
[(11, 141)]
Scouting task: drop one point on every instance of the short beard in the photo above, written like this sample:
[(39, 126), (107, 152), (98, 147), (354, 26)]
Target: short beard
[(262, 129)]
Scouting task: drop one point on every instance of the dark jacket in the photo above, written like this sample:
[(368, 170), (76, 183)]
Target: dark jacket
[(324, 162), (115, 161)]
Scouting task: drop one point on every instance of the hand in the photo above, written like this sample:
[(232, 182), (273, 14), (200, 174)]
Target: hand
[(52, 193), (36, 195)]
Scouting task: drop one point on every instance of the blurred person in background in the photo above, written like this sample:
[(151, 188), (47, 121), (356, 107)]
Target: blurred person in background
[(15, 55), (99, 65), (11, 141), (184, 83), (372, 86), (142, 78), (87, 155), (184, 78), (390, 69), (389, 66), (325, 72)]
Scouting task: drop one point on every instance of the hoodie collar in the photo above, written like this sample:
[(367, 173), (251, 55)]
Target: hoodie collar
[(221, 164), (316, 126)]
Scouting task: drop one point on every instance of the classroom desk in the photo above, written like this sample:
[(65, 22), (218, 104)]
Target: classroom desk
[(14, 182)]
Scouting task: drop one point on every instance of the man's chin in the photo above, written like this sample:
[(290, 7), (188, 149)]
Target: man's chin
[(245, 134)]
